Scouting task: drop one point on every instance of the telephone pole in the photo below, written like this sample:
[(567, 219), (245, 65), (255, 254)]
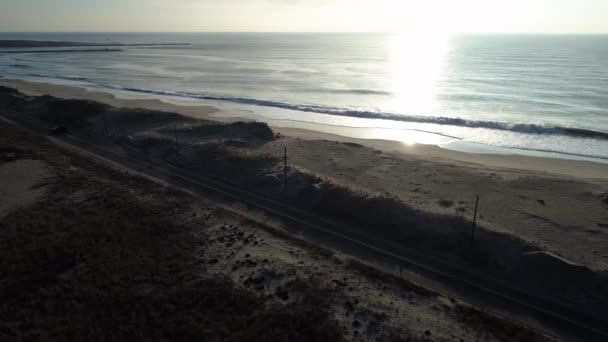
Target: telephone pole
[(285, 169), (176, 143), (474, 221), (105, 124)]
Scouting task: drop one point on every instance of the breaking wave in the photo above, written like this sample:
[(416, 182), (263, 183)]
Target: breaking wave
[(438, 120)]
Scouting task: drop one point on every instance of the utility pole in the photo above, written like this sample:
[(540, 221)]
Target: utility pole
[(105, 124), (176, 143), (474, 221), (285, 169)]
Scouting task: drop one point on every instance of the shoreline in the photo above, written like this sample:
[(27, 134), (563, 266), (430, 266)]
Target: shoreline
[(196, 249), (57, 44), (61, 51), (583, 169), (420, 199)]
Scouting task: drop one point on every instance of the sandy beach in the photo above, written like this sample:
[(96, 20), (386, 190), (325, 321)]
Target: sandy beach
[(418, 195), (555, 204), (93, 250), (565, 167), (298, 171)]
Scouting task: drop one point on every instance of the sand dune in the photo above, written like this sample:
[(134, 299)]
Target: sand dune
[(423, 199)]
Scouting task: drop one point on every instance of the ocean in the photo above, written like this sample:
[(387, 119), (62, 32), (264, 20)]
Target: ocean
[(543, 95)]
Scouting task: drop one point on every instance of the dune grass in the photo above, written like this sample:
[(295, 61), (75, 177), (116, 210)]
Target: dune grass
[(211, 147), (93, 261)]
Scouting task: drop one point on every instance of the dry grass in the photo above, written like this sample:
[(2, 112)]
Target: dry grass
[(388, 217), (387, 278), (94, 262), (446, 203), (225, 150), (212, 148), (112, 268), (501, 329), (247, 131)]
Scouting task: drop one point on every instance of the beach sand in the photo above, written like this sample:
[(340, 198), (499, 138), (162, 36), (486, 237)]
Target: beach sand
[(86, 267), (20, 184), (573, 168), (69, 92), (556, 205)]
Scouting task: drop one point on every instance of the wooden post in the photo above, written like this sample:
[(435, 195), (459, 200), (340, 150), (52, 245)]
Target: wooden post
[(176, 143), (285, 169), (474, 221), (105, 124)]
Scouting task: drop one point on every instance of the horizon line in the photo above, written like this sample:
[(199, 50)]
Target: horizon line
[(320, 32)]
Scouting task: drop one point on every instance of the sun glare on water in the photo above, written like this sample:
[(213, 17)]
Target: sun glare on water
[(417, 62), (418, 54)]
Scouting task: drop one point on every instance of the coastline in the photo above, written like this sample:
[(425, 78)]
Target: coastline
[(76, 93), (196, 250), (582, 169), (528, 220)]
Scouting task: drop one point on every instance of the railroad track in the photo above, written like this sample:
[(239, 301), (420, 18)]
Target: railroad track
[(558, 315)]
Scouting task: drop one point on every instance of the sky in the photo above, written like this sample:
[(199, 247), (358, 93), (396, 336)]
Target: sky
[(441, 16)]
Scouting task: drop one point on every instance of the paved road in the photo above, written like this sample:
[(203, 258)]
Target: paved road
[(543, 313)]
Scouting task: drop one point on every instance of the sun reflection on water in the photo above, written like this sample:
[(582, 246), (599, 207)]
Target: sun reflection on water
[(417, 63)]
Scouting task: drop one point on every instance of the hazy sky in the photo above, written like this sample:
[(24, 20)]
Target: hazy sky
[(305, 15)]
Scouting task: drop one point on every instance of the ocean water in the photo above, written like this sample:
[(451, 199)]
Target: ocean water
[(528, 94)]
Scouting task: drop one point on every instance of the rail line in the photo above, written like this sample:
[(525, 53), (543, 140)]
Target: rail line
[(494, 294)]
